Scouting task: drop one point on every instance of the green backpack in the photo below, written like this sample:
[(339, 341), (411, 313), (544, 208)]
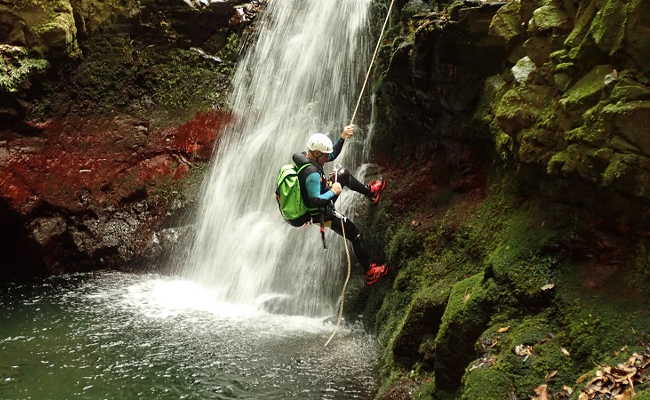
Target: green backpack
[(288, 192)]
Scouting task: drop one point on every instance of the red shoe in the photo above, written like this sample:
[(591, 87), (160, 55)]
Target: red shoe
[(376, 188), (375, 273)]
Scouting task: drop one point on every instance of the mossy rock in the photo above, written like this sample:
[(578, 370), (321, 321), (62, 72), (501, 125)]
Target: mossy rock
[(17, 68), (637, 36), (631, 120), (608, 27), (48, 26), (578, 159), (421, 321), (629, 89), (519, 261), (522, 107), (526, 350), (620, 167), (506, 23), (582, 24), (486, 384), (598, 323), (466, 316), (588, 89), (539, 48), (549, 17)]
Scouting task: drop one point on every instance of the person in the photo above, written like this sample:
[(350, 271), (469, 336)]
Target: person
[(319, 193)]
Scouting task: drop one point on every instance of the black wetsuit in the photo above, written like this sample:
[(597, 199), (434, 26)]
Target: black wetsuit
[(326, 206)]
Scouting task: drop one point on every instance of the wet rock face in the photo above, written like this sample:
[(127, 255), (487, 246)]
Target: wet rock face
[(520, 296), (432, 80), (110, 111), (577, 104), (98, 190)]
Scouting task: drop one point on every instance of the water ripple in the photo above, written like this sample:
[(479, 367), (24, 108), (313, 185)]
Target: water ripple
[(116, 335)]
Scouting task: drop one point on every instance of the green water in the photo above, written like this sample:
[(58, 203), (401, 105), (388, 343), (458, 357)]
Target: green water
[(124, 336)]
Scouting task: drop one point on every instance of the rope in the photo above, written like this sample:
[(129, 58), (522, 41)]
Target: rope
[(372, 62), (341, 301)]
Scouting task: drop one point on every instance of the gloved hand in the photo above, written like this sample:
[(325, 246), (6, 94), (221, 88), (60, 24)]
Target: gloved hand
[(348, 131), (336, 188)]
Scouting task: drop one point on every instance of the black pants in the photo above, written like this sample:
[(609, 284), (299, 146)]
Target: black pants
[(352, 233), (345, 178)]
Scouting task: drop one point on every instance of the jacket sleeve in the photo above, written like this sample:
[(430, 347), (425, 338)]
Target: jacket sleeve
[(312, 186), (338, 146)]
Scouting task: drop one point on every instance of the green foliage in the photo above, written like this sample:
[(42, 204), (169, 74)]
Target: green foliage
[(486, 384), (596, 324), (17, 68), (122, 72), (588, 88)]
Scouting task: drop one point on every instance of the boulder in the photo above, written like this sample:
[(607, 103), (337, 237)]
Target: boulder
[(588, 88), (522, 70), (466, 316), (637, 33), (506, 23), (46, 27), (420, 322), (45, 229), (631, 120), (549, 17)]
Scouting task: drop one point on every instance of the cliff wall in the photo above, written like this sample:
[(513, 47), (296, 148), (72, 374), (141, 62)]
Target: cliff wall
[(110, 111), (513, 135)]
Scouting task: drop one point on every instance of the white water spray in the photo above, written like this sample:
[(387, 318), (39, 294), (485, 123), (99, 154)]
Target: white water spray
[(301, 76)]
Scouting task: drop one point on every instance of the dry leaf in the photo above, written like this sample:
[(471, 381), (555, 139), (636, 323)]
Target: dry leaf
[(583, 396), (548, 286), (466, 297), (503, 330), (550, 375), (582, 378), (629, 393), (541, 392), (567, 389), (565, 352)]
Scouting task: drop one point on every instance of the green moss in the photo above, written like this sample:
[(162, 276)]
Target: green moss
[(598, 323), (521, 107), (17, 68), (466, 316), (588, 89), (520, 260), (575, 159), (643, 395), (420, 322), (583, 21), (608, 26), (127, 73), (406, 243), (486, 384), (620, 166), (507, 22), (528, 351), (504, 145), (583, 134)]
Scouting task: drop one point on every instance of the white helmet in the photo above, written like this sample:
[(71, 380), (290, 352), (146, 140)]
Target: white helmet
[(320, 142)]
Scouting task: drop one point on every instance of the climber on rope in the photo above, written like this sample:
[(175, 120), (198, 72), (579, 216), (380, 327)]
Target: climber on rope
[(319, 192)]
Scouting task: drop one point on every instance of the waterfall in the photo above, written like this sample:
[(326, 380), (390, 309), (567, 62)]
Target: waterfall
[(301, 76)]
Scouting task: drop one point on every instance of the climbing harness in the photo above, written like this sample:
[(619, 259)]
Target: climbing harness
[(341, 300)]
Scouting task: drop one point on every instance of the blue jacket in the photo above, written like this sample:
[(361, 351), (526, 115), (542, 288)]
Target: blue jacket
[(313, 182)]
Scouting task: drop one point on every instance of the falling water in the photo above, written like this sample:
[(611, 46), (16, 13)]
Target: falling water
[(302, 76)]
